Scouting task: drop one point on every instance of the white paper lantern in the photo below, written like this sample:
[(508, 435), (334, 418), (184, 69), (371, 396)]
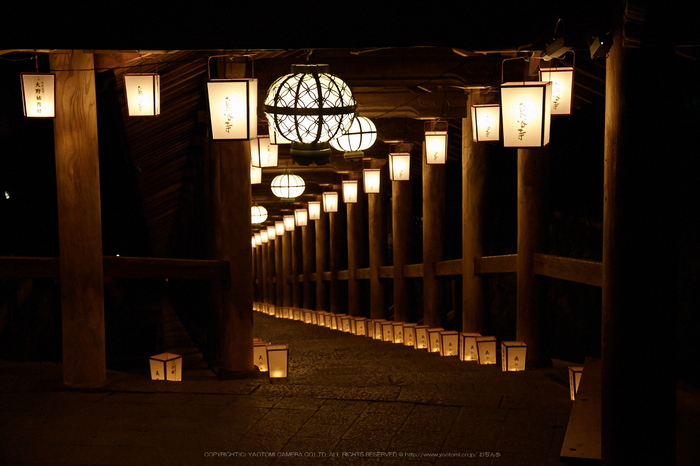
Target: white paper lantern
[(422, 339), (359, 137), (233, 108), (260, 355), (372, 180), (360, 326), (350, 191), (142, 94), (486, 348), (486, 122), (288, 222), (271, 233), (279, 228), (263, 236), (562, 80), (434, 339), (513, 355), (398, 332), (301, 217), (263, 151), (409, 334), (526, 113), (166, 366), (467, 346), (400, 166), (314, 210), (255, 175), (258, 239), (39, 94), (330, 201), (277, 360), (449, 343), (436, 143)]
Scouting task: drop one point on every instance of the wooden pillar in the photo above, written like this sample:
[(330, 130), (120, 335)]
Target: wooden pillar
[(531, 325), (237, 298), (434, 289), (296, 267), (338, 249), (322, 263), (474, 171), (640, 264), (261, 273), (279, 269), (267, 273), (377, 252), (287, 268), (308, 263), (79, 220), (402, 200), (355, 224)]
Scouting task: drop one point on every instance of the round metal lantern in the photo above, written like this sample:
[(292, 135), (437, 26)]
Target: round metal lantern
[(361, 135), (258, 214), (309, 107), (287, 186)]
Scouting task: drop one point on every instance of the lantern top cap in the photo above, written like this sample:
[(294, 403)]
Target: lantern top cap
[(311, 69)]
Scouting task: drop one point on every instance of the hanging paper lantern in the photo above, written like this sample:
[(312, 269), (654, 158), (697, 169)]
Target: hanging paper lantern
[(436, 142), (350, 191), (301, 217), (287, 186), (562, 80), (330, 201), (233, 108), (486, 122), (39, 95), (263, 151), (400, 166), (288, 222), (314, 210), (526, 113), (142, 94), (372, 180)]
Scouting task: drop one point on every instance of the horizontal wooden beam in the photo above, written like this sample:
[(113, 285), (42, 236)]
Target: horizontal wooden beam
[(565, 268), (120, 267), (413, 270), (362, 274), (451, 267), (496, 264), (386, 272)]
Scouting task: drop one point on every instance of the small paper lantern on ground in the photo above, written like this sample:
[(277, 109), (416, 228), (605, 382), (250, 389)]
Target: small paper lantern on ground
[(348, 324), (258, 214), (513, 355), (575, 373), (39, 94), (328, 319), (422, 339), (314, 210), (436, 142), (486, 348), (297, 314), (449, 343), (387, 331), (142, 94), (372, 180), (277, 358), (288, 222), (233, 108), (400, 163), (434, 339), (377, 333), (301, 217), (398, 332), (467, 346), (562, 80), (369, 331), (409, 335), (166, 366), (360, 326), (349, 191), (526, 113), (260, 354), (486, 122), (330, 201), (336, 321)]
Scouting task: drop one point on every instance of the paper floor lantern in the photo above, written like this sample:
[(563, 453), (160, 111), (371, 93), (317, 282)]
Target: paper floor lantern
[(360, 326), (166, 366), (449, 343), (260, 354), (277, 359), (575, 374), (422, 340), (513, 355), (398, 332), (434, 339), (409, 334), (486, 348), (378, 329), (467, 346)]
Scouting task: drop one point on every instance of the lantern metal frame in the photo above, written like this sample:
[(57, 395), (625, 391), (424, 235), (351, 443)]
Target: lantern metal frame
[(309, 107), (360, 136), (153, 79), (435, 142)]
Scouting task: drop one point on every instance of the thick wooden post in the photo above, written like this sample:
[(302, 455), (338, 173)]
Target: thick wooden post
[(640, 263), (79, 221), (261, 273), (402, 200), (237, 298), (321, 236), (356, 232), (296, 267), (377, 252), (474, 170), (434, 309), (531, 325), (287, 267), (338, 250), (308, 263), (279, 270)]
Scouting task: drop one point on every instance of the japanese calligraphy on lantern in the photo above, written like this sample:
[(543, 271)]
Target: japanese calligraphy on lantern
[(526, 113), (38, 90), (233, 108), (562, 80)]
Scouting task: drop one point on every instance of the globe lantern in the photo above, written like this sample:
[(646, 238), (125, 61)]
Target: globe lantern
[(287, 186), (361, 135), (258, 214), (309, 107)]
